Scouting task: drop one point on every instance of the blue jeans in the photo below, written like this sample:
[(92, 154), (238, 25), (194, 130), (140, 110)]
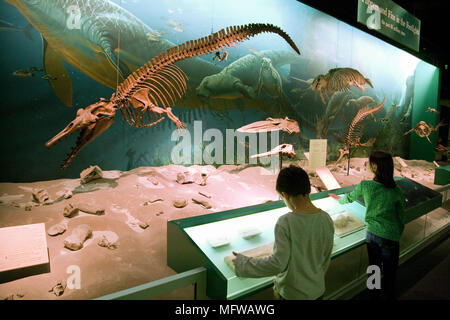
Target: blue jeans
[(385, 254)]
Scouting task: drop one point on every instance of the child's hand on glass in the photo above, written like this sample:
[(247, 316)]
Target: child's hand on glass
[(334, 196)]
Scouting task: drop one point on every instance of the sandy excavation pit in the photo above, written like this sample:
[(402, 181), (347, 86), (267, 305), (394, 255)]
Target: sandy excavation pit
[(127, 246)]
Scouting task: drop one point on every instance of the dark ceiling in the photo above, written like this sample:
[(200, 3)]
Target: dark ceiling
[(434, 28)]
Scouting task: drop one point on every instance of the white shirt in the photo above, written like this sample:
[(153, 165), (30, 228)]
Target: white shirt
[(301, 256)]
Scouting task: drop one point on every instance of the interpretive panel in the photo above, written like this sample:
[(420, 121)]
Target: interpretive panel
[(23, 246), (317, 153)]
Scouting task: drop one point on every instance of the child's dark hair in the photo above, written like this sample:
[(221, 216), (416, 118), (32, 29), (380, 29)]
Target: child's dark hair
[(384, 172), (294, 181)]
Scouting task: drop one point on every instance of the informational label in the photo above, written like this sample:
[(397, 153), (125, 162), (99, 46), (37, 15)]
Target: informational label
[(327, 178), (317, 153), (390, 20), (402, 163), (23, 246)]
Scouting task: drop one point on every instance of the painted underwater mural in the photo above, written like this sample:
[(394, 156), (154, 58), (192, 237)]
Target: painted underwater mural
[(92, 49)]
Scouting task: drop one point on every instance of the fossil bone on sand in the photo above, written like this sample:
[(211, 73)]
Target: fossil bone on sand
[(153, 199), (187, 177), (77, 238), (58, 288), (109, 240), (180, 203), (203, 203), (72, 209), (90, 208), (58, 228), (153, 180), (91, 173), (40, 196), (206, 195)]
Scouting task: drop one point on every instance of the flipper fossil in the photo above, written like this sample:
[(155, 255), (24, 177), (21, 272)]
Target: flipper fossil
[(271, 124), (285, 150)]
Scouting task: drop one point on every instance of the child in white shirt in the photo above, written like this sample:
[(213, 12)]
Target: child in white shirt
[(303, 243)]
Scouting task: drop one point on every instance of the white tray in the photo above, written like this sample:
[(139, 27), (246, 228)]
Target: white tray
[(247, 233), (218, 241)]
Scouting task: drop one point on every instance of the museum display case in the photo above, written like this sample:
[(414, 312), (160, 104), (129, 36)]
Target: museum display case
[(209, 240), (442, 175), (184, 111)]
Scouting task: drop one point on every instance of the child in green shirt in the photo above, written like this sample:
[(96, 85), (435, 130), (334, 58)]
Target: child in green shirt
[(384, 203)]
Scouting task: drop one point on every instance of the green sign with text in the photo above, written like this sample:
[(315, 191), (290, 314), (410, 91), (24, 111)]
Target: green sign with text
[(391, 20)]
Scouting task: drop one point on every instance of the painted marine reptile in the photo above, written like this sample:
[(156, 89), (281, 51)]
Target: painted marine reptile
[(248, 76), (149, 92), (98, 37)]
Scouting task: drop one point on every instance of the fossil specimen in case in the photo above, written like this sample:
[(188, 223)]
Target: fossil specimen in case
[(345, 223), (272, 124), (423, 130), (285, 150), (355, 130)]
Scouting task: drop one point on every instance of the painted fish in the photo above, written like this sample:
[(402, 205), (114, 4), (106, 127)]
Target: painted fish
[(173, 22), (157, 33), (35, 69), (252, 50), (443, 149), (432, 110), (6, 26), (152, 37), (48, 77), (361, 102), (22, 74)]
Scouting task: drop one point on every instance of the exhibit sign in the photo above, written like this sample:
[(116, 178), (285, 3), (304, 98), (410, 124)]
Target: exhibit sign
[(391, 20), (317, 154), (23, 246)]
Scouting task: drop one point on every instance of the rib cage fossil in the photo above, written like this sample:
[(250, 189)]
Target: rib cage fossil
[(355, 130), (159, 81), (356, 127), (150, 91)]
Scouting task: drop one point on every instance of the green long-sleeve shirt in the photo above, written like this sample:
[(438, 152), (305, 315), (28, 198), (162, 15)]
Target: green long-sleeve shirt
[(385, 208)]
